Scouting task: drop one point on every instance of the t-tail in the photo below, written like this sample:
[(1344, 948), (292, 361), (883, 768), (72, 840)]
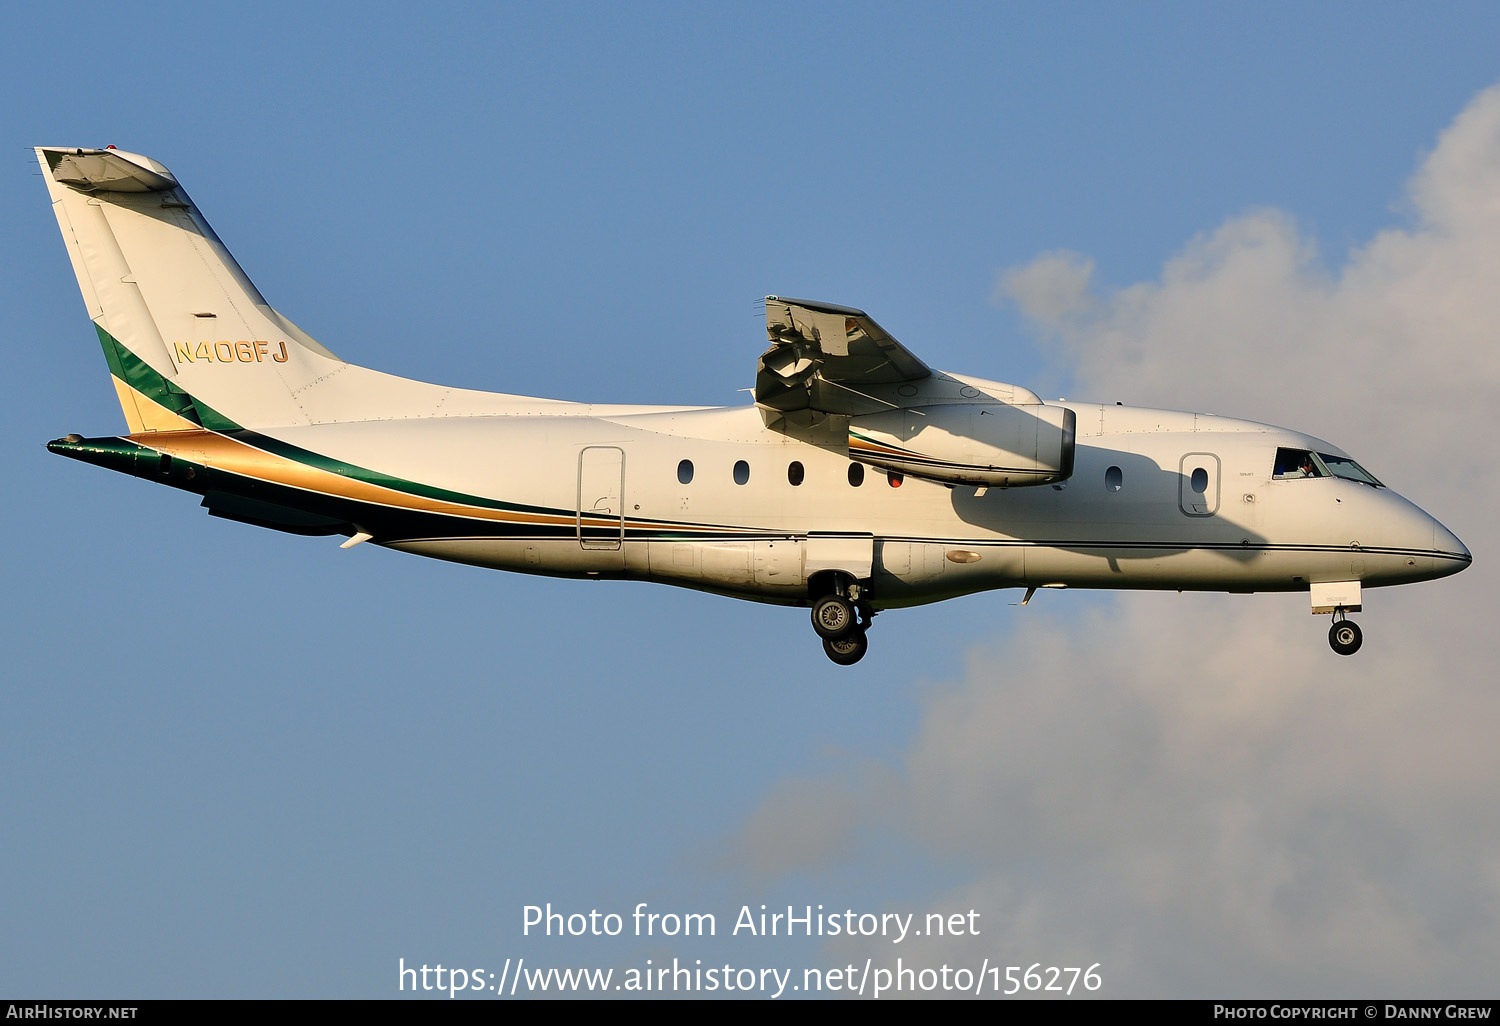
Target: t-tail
[(191, 343)]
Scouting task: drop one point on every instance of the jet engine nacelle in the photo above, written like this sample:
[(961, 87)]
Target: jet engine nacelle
[(987, 444)]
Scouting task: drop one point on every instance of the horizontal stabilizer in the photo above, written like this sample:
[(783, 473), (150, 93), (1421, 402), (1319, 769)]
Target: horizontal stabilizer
[(108, 170)]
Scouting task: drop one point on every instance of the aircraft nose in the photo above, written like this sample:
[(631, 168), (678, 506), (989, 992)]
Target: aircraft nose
[(1429, 550), (1446, 543)]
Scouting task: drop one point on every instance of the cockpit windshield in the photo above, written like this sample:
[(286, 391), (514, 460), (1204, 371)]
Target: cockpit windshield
[(1344, 467), (1292, 464)]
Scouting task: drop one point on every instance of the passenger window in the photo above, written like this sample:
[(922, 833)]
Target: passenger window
[(856, 474), (1296, 463), (1114, 479), (895, 479), (794, 473), (1200, 481), (741, 472), (685, 472)]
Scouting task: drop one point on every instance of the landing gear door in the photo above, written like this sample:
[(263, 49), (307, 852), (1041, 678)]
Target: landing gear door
[(1198, 484), (853, 554), (601, 497)]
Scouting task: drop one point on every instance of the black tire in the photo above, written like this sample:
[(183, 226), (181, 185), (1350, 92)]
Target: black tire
[(833, 617), (847, 650), (1345, 637)]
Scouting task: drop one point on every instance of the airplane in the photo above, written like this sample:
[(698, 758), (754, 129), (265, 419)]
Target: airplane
[(860, 480)]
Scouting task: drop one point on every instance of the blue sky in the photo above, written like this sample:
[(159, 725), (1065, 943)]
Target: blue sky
[(237, 763)]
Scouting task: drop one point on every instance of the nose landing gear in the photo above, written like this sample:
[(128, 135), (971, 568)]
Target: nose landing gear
[(1339, 598), (841, 619), (1344, 636)]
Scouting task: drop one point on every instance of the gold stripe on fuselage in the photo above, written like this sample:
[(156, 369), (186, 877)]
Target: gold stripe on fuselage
[(169, 433)]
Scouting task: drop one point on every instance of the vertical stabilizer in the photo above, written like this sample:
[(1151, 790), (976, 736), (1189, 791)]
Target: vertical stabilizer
[(188, 338)]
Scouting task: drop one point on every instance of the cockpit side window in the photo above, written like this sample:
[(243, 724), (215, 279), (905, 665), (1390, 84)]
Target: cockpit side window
[(1296, 463), (1344, 467)]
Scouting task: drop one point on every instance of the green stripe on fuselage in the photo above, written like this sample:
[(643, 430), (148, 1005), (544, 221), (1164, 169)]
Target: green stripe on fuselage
[(308, 458), (139, 375)]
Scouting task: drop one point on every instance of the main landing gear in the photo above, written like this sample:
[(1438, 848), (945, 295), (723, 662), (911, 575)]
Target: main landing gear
[(849, 649), (1344, 636), (841, 619)]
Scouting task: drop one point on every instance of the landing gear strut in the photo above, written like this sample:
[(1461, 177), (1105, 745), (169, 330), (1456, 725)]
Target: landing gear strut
[(1344, 636), (841, 619)]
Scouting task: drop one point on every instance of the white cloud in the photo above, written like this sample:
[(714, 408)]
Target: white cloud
[(803, 822), (1396, 353), (1191, 789)]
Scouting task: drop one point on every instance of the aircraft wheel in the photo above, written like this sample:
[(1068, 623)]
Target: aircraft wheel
[(847, 650), (1345, 637), (833, 617)]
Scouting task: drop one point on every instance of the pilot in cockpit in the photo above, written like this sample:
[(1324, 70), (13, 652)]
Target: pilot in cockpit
[(1293, 464)]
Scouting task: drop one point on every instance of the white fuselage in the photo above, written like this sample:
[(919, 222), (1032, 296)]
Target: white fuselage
[(1139, 525)]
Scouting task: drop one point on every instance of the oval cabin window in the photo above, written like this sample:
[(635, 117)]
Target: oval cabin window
[(685, 472), (856, 474), (1200, 480), (794, 473), (1114, 479), (741, 472)]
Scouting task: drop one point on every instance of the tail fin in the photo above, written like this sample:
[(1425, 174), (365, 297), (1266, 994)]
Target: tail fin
[(189, 339)]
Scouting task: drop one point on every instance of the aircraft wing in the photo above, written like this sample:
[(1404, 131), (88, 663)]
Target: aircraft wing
[(825, 358)]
